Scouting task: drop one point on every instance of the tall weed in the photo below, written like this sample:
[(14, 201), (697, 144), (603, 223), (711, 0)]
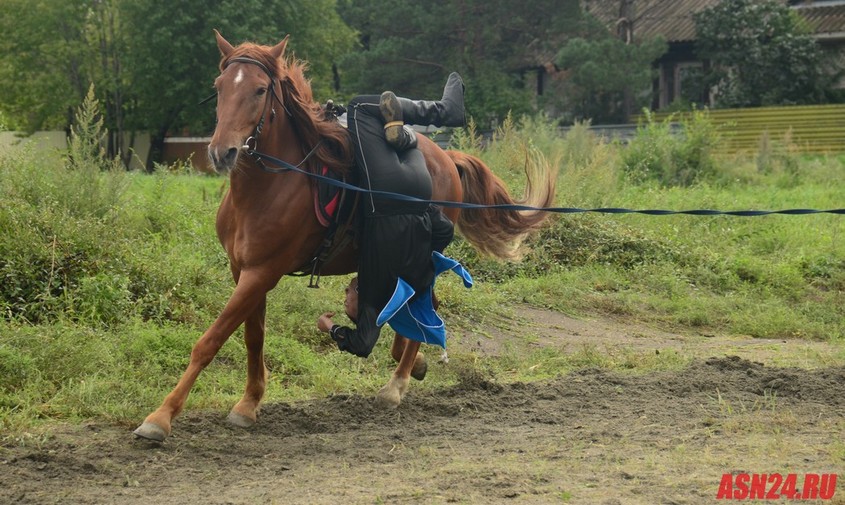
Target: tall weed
[(87, 192), (588, 175), (468, 140), (672, 159), (779, 157), (648, 156)]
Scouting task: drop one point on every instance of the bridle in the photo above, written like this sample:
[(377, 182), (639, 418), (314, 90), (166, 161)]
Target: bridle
[(253, 139), (250, 146)]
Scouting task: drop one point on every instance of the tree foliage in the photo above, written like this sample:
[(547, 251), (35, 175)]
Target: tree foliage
[(44, 62), (151, 61), (411, 47), (761, 54), (601, 69), (174, 57)]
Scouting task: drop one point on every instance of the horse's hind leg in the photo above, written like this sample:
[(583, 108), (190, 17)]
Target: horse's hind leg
[(420, 367), (390, 396), (245, 413)]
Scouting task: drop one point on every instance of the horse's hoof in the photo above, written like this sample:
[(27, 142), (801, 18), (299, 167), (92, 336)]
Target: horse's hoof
[(240, 420), (420, 368), (151, 431), (390, 396)]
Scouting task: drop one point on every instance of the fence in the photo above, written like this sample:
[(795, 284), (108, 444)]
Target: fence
[(812, 129), (52, 141)]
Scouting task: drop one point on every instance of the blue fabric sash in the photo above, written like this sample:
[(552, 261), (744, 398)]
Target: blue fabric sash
[(417, 319)]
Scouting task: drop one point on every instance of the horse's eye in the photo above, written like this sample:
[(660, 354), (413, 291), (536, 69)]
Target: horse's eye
[(261, 91)]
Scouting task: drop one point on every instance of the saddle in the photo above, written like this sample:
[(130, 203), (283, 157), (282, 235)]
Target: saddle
[(327, 198), (335, 209)]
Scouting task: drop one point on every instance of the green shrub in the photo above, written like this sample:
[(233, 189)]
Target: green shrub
[(570, 241), (105, 255), (16, 368), (692, 156), (104, 298), (657, 153), (648, 156)]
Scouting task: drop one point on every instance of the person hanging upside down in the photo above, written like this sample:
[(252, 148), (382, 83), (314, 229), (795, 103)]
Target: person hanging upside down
[(399, 239)]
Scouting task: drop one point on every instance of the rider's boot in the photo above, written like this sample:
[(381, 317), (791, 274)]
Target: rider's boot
[(397, 112)]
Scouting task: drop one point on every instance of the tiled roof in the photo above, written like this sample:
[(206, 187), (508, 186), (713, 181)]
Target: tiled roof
[(673, 19), (824, 19)]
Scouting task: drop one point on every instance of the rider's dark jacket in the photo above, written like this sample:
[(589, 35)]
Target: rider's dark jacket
[(397, 236)]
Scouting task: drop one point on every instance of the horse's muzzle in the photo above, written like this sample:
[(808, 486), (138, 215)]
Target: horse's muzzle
[(223, 161)]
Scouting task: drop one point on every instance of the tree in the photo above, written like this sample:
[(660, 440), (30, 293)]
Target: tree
[(760, 53), (173, 57), (151, 60), (601, 69), (103, 38), (44, 62), (50, 56), (411, 47)]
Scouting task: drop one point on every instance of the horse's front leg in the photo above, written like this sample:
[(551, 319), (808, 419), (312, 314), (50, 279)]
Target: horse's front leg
[(245, 413), (420, 367), (390, 396), (248, 295)]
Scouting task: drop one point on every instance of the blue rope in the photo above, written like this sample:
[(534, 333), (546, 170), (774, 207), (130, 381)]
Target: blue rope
[(285, 167)]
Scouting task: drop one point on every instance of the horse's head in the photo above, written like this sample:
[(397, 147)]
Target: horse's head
[(247, 87)]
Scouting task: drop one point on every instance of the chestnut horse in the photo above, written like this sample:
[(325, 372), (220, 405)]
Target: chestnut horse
[(267, 224)]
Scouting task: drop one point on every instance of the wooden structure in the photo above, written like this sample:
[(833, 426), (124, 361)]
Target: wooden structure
[(812, 129), (193, 150), (679, 70)]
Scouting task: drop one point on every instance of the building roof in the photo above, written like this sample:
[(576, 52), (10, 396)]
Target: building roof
[(824, 19), (673, 19)]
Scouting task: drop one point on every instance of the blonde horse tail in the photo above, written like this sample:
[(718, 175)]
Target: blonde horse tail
[(502, 233)]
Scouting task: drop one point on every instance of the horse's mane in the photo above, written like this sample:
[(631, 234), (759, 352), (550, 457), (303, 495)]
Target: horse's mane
[(307, 116)]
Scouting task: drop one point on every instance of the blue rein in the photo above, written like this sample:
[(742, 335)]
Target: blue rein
[(285, 167)]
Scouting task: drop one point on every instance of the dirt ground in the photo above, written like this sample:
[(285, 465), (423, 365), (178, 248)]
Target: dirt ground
[(590, 437)]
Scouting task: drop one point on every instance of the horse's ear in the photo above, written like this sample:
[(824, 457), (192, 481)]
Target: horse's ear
[(279, 48), (225, 47)]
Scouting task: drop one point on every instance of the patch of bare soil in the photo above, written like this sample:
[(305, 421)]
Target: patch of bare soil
[(531, 327), (593, 437)]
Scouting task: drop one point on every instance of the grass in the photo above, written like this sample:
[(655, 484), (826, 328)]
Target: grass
[(105, 292), (774, 276)]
